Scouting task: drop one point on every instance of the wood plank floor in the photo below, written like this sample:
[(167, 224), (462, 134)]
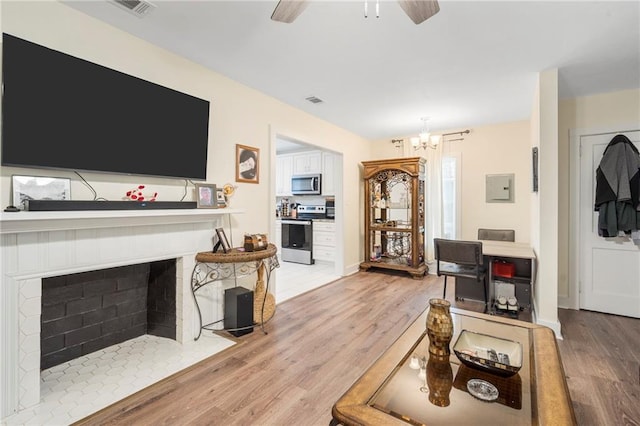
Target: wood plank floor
[(320, 342)]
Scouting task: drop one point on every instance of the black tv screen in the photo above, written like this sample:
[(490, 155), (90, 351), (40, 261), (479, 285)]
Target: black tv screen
[(59, 111)]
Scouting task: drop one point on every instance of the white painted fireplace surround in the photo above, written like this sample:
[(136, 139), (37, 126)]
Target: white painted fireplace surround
[(36, 245)]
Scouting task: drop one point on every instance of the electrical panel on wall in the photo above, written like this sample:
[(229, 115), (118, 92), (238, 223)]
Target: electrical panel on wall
[(500, 188)]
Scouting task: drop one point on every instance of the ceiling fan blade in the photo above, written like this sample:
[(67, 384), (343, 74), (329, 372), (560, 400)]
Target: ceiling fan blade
[(288, 10), (419, 10)]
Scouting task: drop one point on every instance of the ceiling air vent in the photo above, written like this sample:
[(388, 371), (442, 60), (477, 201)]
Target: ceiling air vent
[(314, 100), (136, 7)]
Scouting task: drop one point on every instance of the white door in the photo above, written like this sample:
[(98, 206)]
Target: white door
[(609, 267)]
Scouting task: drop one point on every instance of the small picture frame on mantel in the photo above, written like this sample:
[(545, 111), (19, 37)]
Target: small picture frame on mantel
[(25, 188), (206, 196), (222, 200)]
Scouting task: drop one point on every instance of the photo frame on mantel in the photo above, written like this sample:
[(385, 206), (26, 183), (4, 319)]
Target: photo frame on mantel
[(220, 198), (206, 196), (38, 188)]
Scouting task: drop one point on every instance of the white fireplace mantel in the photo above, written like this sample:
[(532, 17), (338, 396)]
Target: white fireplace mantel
[(20, 222), (35, 245)]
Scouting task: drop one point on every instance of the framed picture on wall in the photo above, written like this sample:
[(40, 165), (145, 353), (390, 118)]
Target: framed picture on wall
[(534, 168), (247, 164)]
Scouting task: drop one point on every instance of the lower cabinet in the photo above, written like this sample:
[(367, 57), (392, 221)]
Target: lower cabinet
[(324, 241)]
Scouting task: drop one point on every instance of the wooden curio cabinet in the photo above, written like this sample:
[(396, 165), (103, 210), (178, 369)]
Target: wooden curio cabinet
[(394, 215)]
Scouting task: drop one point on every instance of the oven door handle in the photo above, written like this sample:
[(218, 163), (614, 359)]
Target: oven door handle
[(296, 222)]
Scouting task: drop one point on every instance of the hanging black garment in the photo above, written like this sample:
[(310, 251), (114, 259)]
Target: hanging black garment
[(618, 188)]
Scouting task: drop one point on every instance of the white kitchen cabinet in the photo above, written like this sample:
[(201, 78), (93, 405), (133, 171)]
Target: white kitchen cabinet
[(284, 170), (307, 162), (328, 171), (324, 241)]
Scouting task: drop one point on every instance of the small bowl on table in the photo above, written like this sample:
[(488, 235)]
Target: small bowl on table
[(493, 354)]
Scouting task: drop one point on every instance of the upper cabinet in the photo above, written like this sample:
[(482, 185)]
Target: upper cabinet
[(328, 173), (284, 170), (307, 162), (302, 163)]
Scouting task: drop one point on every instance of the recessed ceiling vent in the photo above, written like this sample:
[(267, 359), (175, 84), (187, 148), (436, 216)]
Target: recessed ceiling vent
[(314, 100), (136, 7)]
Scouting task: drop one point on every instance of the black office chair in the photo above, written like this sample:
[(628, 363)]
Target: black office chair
[(455, 258), (497, 234)]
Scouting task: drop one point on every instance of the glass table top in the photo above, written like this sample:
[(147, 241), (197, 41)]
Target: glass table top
[(439, 395)]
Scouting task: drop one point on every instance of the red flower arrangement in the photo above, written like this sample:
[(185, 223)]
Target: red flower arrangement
[(137, 195)]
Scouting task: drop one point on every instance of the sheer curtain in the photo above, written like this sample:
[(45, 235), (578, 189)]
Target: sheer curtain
[(433, 204)]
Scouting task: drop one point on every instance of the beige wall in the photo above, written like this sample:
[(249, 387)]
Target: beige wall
[(600, 111), (496, 149), (238, 115)]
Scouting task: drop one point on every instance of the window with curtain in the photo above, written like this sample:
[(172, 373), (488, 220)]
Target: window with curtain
[(451, 195)]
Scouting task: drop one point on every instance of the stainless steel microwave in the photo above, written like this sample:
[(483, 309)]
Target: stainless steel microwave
[(306, 184)]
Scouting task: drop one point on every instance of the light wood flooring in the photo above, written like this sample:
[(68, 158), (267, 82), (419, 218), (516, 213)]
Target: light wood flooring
[(320, 342)]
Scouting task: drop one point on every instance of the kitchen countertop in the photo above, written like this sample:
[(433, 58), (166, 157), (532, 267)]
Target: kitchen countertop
[(315, 220)]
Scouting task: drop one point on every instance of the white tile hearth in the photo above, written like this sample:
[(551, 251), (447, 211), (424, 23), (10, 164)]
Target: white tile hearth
[(78, 388)]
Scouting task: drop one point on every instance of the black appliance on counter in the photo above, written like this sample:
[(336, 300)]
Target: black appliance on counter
[(297, 234), (330, 208)]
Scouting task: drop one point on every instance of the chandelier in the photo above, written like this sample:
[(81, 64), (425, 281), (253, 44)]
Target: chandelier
[(425, 139)]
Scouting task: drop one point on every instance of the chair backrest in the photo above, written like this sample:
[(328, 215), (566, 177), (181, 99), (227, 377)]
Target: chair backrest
[(457, 251), (497, 234)]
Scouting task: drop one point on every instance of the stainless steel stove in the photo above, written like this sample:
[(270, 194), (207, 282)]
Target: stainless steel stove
[(311, 212), (297, 234)]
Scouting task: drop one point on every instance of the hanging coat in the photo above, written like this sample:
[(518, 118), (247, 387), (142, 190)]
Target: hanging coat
[(618, 188)]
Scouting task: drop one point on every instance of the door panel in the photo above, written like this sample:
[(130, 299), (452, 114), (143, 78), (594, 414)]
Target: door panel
[(609, 267)]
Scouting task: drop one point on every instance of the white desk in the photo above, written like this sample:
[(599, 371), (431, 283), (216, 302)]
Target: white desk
[(507, 249)]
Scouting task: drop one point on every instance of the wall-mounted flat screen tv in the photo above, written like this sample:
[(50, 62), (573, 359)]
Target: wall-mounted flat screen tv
[(59, 111)]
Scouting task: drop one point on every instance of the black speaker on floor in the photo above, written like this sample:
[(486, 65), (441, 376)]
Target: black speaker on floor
[(238, 311)]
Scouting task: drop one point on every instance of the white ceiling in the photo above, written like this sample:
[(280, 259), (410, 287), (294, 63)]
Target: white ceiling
[(472, 64)]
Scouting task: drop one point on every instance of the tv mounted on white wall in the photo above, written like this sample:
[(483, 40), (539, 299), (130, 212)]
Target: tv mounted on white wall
[(59, 111)]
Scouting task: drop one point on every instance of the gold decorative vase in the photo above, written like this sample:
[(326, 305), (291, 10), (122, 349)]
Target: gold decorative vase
[(439, 327)]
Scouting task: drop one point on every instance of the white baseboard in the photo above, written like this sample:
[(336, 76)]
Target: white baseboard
[(553, 325), (565, 303), (351, 269)]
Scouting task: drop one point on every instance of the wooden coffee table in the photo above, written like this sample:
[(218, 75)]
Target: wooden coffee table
[(391, 393)]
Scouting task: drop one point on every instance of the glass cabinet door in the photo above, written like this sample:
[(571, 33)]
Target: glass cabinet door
[(390, 192), (391, 217)]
